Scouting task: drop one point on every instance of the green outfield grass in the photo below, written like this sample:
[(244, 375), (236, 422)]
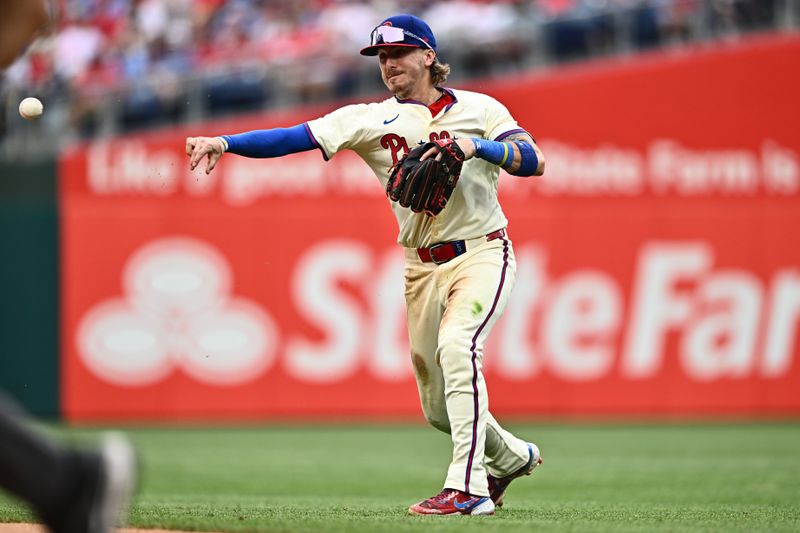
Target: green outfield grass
[(599, 477)]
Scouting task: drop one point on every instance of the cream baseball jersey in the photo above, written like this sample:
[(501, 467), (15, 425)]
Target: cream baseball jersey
[(380, 133)]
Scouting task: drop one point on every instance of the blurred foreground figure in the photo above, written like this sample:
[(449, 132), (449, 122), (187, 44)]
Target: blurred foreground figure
[(21, 23), (71, 490), (460, 264)]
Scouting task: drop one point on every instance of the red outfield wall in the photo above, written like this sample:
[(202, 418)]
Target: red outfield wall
[(659, 260)]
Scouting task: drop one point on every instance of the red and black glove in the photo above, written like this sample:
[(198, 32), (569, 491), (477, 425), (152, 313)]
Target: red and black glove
[(426, 186)]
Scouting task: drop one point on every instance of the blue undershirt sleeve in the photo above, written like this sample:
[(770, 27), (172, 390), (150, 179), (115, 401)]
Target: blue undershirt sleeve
[(270, 143)]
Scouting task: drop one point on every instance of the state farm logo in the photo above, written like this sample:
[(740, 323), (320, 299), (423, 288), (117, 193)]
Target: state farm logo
[(177, 313)]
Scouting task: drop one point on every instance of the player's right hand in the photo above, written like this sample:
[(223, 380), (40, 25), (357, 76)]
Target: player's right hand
[(199, 147)]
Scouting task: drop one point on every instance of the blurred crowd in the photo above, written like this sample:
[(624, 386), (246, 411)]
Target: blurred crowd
[(131, 63)]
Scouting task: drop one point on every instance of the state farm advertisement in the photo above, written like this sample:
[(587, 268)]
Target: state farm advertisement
[(658, 260)]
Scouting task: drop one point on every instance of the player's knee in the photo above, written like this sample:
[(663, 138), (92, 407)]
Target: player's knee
[(438, 420), (435, 411)]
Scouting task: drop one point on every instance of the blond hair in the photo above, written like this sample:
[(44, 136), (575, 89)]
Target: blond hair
[(439, 72)]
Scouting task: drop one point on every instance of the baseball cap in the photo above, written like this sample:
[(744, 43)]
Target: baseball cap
[(400, 30)]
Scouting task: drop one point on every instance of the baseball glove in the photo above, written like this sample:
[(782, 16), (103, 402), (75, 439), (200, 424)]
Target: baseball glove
[(426, 186)]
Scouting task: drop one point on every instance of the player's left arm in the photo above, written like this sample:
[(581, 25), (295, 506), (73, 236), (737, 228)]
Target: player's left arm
[(521, 157), (517, 154)]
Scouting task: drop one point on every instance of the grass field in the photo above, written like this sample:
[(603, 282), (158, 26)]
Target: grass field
[(698, 477)]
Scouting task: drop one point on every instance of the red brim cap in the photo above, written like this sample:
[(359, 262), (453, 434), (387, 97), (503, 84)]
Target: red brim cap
[(373, 50)]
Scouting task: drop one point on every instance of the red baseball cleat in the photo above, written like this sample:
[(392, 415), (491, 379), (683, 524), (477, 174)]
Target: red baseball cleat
[(498, 485), (453, 502)]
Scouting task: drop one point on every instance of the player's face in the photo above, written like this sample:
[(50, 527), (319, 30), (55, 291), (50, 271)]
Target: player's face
[(403, 68)]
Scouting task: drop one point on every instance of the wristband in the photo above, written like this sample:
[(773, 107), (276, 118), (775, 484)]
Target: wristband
[(496, 152)]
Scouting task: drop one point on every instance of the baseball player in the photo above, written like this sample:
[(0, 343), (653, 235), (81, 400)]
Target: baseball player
[(460, 265)]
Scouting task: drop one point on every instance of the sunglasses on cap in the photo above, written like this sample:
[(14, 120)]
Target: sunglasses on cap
[(392, 34)]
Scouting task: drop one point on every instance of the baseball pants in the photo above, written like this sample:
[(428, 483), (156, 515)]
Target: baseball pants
[(451, 310)]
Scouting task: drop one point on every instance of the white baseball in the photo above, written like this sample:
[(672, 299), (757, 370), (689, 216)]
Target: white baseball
[(31, 108)]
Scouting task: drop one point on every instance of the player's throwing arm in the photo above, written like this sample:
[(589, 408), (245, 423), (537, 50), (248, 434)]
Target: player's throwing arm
[(275, 142)]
